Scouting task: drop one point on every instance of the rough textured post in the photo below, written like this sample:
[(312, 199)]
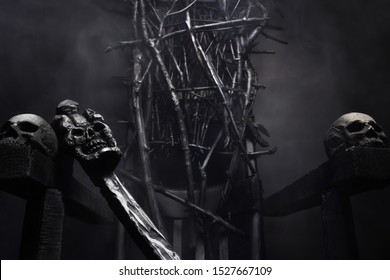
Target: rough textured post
[(50, 235), (27, 146), (337, 225)]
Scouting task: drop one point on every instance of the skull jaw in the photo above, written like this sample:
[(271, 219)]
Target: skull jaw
[(25, 142), (368, 143), (101, 162), (372, 143), (13, 141)]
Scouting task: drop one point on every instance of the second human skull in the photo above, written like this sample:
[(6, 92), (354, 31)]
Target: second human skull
[(86, 136), (29, 130), (353, 129)]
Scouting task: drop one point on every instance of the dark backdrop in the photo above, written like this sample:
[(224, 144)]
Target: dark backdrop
[(337, 61)]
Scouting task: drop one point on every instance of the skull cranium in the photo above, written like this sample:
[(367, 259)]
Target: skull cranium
[(30, 129), (86, 136), (353, 129)]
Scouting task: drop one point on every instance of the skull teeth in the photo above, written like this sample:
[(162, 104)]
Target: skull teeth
[(12, 141), (95, 146)]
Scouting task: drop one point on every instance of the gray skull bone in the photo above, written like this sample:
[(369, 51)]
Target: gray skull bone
[(30, 130), (353, 129)]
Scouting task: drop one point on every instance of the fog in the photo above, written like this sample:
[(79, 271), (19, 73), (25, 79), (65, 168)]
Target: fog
[(337, 60)]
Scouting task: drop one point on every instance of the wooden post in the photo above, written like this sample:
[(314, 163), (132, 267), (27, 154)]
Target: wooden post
[(356, 170), (28, 173), (31, 175), (51, 226), (337, 225)]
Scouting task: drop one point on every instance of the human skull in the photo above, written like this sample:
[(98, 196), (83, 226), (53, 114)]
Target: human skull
[(353, 129), (87, 137), (30, 129)]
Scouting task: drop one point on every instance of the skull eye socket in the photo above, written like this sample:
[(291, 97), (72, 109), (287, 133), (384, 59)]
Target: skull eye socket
[(97, 126), (376, 127), (77, 132), (5, 127), (28, 127), (355, 126)]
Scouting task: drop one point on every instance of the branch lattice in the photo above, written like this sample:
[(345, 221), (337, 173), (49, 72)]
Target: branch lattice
[(192, 87)]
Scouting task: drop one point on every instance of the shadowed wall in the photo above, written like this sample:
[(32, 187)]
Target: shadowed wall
[(337, 61)]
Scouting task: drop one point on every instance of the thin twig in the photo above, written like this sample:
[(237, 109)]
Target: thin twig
[(122, 45), (179, 113), (182, 10), (185, 202)]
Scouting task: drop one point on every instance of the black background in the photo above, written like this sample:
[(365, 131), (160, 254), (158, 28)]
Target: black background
[(337, 61)]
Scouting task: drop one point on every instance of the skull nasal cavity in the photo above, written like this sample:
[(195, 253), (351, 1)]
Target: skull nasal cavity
[(371, 133), (11, 133), (90, 132)]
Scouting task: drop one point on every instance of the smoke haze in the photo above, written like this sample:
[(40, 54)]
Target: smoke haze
[(337, 61)]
